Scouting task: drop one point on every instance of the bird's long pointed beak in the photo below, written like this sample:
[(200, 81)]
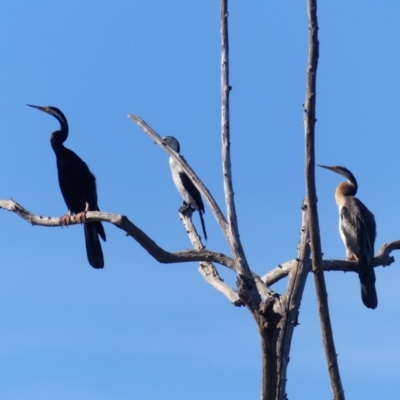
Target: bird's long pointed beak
[(326, 167), (44, 109)]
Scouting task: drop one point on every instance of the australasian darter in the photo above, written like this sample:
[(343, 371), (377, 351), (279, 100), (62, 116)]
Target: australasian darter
[(78, 187), (358, 231), (190, 194)]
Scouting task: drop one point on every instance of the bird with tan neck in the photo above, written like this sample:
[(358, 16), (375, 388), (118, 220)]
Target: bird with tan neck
[(358, 231)]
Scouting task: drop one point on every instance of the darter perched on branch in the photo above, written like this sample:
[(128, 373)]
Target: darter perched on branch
[(190, 194), (358, 231), (78, 187)]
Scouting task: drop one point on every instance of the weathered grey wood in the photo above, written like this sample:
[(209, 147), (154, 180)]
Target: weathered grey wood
[(131, 229), (233, 227), (382, 259), (189, 171), (210, 274), (275, 314), (207, 270), (315, 240), (291, 304)]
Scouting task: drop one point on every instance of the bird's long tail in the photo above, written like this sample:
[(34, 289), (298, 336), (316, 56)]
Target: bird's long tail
[(202, 224), (93, 245), (368, 291)]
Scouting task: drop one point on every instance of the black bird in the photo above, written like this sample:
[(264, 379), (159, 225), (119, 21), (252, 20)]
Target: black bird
[(358, 231), (190, 194), (78, 187)]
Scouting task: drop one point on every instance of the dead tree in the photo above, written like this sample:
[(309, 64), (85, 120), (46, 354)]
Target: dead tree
[(275, 314)]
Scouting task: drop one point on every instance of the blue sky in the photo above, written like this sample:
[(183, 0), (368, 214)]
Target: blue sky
[(140, 330)]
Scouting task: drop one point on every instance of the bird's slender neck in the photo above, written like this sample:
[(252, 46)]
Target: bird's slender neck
[(345, 189), (59, 137)]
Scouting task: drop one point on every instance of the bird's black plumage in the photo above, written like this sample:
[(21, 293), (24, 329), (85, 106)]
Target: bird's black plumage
[(78, 186), (196, 202)]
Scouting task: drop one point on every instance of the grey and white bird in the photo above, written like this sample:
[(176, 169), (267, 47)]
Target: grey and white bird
[(358, 231), (190, 194)]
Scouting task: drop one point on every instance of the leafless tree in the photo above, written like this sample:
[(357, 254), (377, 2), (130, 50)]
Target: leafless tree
[(275, 313)]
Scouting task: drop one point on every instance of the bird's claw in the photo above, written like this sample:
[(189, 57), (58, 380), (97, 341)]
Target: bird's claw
[(65, 220), (81, 217)]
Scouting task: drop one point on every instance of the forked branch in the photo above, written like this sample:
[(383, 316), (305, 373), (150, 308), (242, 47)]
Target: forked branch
[(207, 270), (189, 171), (131, 229), (291, 302)]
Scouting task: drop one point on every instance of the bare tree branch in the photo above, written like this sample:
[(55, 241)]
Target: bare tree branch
[(291, 302), (131, 229), (214, 207), (262, 288), (309, 125), (207, 270), (189, 171), (382, 259), (276, 319), (210, 274), (233, 228), (278, 273)]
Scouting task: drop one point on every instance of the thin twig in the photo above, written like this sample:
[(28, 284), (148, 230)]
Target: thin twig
[(131, 229), (309, 125)]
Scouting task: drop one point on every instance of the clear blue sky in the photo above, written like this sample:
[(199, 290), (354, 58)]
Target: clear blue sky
[(140, 330)]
